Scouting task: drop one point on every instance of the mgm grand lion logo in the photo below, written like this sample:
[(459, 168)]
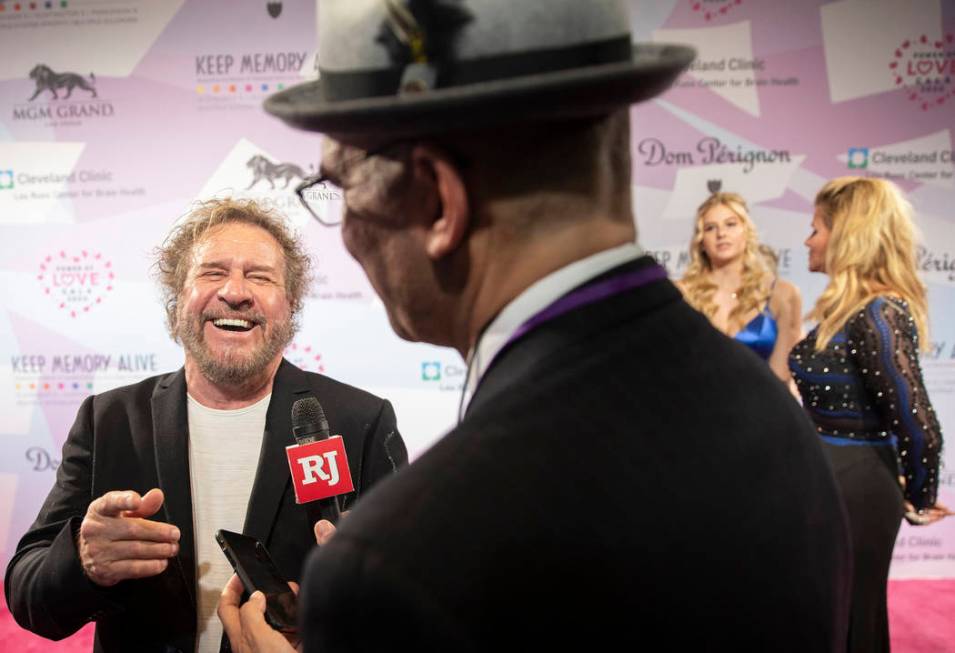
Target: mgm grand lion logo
[(47, 80), (263, 169)]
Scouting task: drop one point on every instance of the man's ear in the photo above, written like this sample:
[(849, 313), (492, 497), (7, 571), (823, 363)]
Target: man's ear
[(452, 214)]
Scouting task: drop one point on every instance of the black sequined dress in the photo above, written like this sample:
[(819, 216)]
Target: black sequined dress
[(866, 396)]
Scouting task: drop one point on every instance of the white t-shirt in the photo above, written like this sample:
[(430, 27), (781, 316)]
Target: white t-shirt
[(224, 448)]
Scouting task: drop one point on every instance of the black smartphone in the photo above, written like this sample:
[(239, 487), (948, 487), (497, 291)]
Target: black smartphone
[(257, 571)]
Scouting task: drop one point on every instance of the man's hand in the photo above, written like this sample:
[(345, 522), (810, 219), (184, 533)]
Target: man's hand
[(324, 530), (116, 542), (245, 624)]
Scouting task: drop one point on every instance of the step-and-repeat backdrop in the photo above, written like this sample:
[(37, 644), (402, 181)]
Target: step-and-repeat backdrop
[(115, 115)]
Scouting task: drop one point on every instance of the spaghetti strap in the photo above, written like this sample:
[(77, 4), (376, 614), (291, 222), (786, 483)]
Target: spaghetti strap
[(772, 289)]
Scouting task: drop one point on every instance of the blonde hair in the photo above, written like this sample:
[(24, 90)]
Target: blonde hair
[(870, 252), (754, 289), (174, 257)]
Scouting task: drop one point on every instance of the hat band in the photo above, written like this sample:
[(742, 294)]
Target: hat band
[(353, 85)]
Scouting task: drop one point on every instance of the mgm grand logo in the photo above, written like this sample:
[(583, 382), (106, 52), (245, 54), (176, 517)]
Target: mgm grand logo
[(53, 97), (264, 170)]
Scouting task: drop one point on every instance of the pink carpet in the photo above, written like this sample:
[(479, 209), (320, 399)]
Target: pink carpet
[(921, 614)]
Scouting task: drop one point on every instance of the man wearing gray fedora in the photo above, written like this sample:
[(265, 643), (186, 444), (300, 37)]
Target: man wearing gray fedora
[(621, 473)]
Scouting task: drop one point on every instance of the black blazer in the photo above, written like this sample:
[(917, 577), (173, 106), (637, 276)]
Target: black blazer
[(136, 437), (625, 474)]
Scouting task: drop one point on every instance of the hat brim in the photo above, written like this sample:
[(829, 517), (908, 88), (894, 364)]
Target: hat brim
[(566, 94)]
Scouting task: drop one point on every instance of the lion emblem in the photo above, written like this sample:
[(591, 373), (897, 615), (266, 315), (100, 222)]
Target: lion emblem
[(262, 168), (47, 80)]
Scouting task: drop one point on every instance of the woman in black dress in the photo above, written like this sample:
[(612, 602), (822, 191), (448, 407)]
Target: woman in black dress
[(859, 376)]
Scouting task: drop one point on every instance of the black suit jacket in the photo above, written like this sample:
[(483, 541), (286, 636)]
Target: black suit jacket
[(136, 438), (624, 475)]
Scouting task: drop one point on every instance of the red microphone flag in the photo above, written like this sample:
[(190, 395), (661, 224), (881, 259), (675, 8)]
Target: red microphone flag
[(319, 469)]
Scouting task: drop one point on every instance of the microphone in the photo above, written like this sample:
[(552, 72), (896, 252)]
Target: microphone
[(308, 421), (318, 461)]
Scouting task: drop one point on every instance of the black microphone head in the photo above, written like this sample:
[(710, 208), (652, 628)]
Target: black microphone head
[(308, 417), (306, 409)]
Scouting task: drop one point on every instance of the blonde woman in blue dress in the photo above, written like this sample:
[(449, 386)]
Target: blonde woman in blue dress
[(733, 282)]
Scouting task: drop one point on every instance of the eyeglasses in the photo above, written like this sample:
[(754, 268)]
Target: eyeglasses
[(321, 198), (326, 201)]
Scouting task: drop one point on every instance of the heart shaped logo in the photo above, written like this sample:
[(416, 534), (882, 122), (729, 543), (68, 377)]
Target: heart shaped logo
[(925, 68), (715, 8), (76, 282)]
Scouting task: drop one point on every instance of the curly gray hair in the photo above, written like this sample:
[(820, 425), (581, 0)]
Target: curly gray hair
[(174, 256)]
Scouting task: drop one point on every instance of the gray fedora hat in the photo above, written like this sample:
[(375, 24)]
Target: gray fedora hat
[(391, 68)]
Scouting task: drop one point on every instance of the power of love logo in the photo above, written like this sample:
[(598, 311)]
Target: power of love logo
[(926, 69), (76, 282), (305, 357)]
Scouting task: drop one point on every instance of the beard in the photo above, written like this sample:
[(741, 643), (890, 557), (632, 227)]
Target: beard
[(230, 367)]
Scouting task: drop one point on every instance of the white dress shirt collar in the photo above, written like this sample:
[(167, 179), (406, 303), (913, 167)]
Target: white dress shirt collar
[(538, 296)]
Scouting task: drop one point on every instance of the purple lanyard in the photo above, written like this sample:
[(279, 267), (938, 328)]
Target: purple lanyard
[(584, 295), (588, 295)]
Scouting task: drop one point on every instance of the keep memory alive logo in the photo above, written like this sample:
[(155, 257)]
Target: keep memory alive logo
[(55, 376), (925, 68), (244, 78), (62, 98)]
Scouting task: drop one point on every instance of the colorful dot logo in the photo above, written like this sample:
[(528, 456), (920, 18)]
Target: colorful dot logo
[(53, 387), (238, 88), (33, 6)]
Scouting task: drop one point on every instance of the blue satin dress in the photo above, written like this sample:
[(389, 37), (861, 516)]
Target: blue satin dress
[(760, 333)]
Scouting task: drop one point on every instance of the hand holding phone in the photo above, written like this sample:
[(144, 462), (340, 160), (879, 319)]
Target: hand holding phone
[(255, 568)]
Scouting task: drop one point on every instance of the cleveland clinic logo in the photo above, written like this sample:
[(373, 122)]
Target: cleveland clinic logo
[(443, 376), (6, 179), (858, 158), (430, 371), (925, 68), (898, 164)]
